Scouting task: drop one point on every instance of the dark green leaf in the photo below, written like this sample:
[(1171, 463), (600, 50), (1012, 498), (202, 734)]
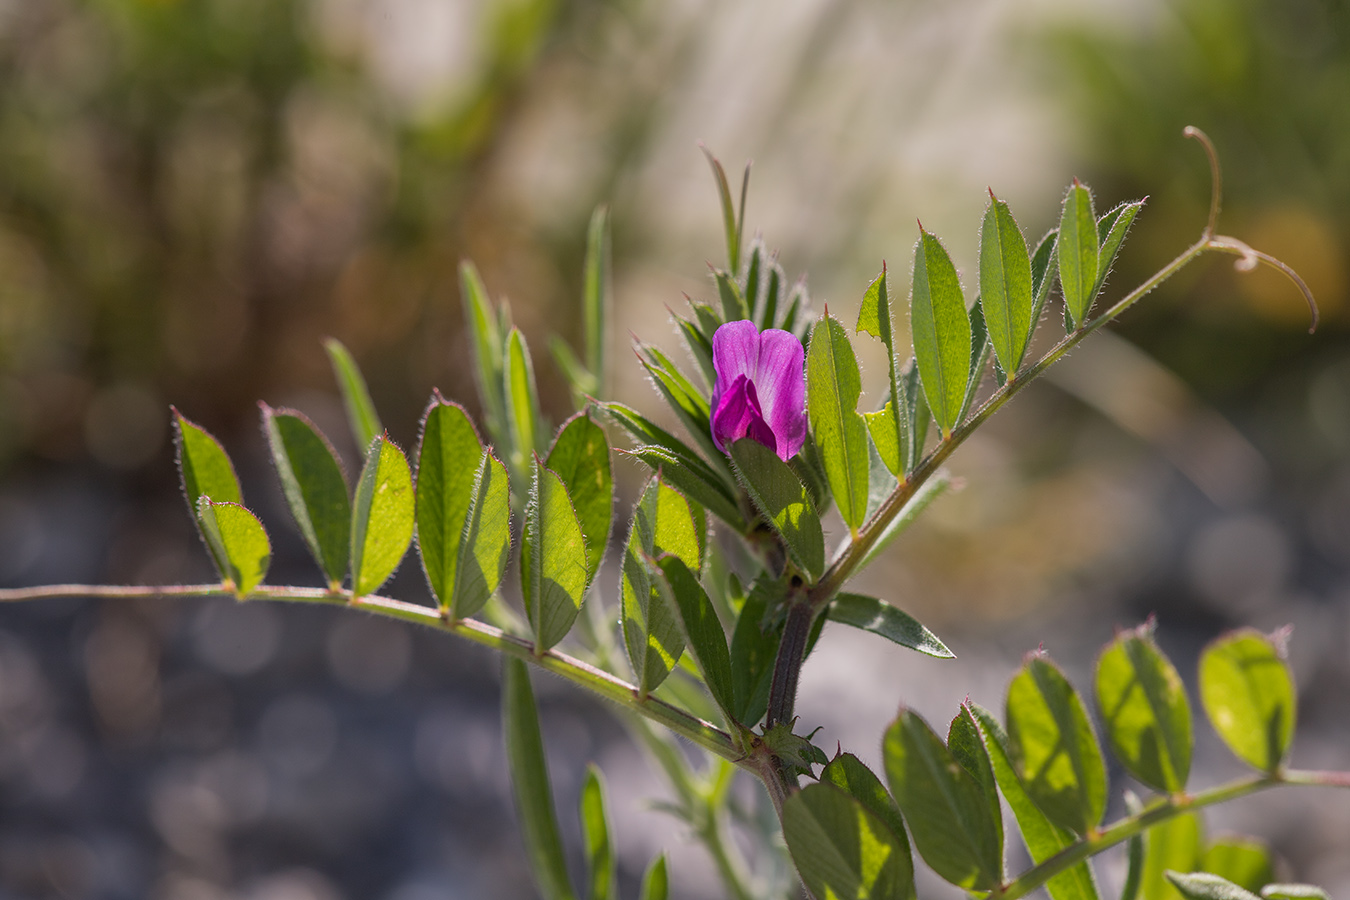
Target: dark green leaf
[(315, 488), (448, 464), (733, 304), (753, 270), (848, 773), (1078, 252), (553, 574), (914, 427), (702, 630), (1173, 845), (646, 432), (833, 385), (781, 498), (1248, 693), (1042, 263), (1005, 284), (1144, 708), (693, 481), (580, 457), (206, 472), (529, 779), (841, 849), (879, 617), (700, 348), (1134, 853), (948, 814), (754, 648), (595, 835), (382, 516), (1054, 747), (1244, 861), (966, 745), (979, 357), (654, 882), (772, 290), (1203, 886), (940, 327), (1042, 837), (361, 415), (489, 366), (663, 522), (595, 291), (688, 402), (1111, 231), (236, 536)]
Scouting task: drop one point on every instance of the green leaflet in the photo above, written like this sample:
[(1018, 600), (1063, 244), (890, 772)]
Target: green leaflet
[(773, 288), (361, 415), (946, 808), (1173, 845), (237, 537), (887, 429), (880, 618), (1293, 892), (781, 498), (530, 783), (522, 401), (703, 632), (1042, 261), (966, 745), (1204, 886), (489, 366), (733, 304), (448, 458), (601, 863), (1005, 284), (655, 885), (688, 402), (1244, 861), (553, 574), (1054, 748), (1042, 837), (382, 516), (754, 648), (1111, 231), (848, 773), (979, 356), (1078, 253), (941, 331), (731, 222), (580, 457), (315, 488), (663, 522), (833, 385), (485, 544), (1145, 711), (1249, 696), (206, 471), (842, 849)]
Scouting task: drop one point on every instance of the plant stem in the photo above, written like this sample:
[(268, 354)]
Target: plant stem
[(1156, 814), (787, 666), (616, 690)]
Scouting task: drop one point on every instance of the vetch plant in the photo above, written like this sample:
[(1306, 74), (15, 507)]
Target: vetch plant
[(727, 580)]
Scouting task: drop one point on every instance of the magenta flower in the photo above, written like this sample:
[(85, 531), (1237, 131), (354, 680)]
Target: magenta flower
[(761, 388)]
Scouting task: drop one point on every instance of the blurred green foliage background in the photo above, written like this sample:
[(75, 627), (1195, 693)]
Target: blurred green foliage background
[(194, 192)]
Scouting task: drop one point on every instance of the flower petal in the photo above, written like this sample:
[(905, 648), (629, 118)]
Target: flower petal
[(731, 413), (780, 382), (735, 353)]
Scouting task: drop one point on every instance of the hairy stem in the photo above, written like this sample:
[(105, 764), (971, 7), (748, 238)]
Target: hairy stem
[(616, 690), (1156, 814), (787, 665)]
